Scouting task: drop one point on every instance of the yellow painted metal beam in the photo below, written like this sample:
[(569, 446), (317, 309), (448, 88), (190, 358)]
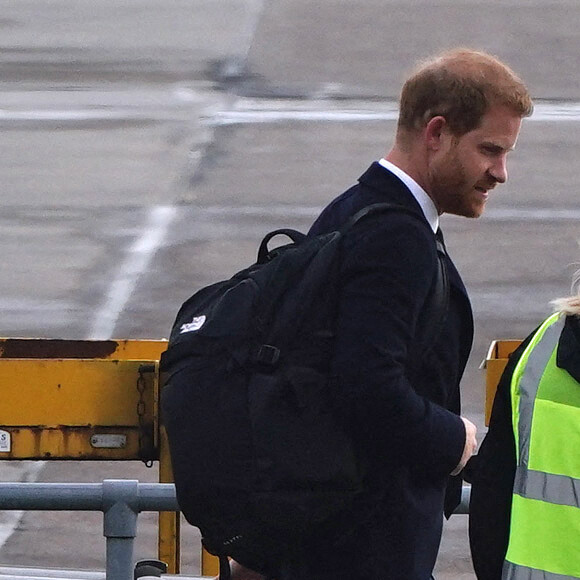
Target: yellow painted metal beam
[(70, 392), (494, 364), (77, 409), (88, 349), (169, 536), (210, 565), (37, 443)]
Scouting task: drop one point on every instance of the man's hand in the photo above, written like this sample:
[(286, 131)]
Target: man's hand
[(470, 445), (240, 573)]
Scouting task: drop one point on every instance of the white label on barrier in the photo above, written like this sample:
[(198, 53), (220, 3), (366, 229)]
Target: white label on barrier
[(109, 441), (4, 442)]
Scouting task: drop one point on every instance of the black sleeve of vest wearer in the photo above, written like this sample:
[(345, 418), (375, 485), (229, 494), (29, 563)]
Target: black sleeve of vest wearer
[(492, 473)]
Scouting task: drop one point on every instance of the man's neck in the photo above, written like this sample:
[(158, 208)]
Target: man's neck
[(407, 163)]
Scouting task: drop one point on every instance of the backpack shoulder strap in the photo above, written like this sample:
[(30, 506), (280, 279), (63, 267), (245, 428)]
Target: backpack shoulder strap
[(438, 303), (377, 208)]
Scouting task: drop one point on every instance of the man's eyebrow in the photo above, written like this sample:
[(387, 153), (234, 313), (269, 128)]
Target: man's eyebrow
[(496, 147)]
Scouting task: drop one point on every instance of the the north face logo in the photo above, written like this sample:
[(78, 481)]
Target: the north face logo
[(195, 324)]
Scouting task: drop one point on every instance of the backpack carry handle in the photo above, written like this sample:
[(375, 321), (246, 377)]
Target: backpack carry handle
[(263, 251)]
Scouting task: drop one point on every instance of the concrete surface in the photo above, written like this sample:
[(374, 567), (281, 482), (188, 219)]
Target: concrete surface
[(231, 118)]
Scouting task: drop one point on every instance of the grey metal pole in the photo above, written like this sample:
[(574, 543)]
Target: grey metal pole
[(51, 496), (81, 496), (120, 501), (121, 507)]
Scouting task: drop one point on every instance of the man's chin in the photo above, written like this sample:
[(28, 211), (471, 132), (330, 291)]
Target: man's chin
[(469, 212), (477, 212)]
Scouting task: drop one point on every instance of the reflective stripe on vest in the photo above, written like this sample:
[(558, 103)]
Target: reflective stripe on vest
[(515, 572), (544, 539)]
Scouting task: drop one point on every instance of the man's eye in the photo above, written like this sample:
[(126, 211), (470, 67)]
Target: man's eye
[(493, 151)]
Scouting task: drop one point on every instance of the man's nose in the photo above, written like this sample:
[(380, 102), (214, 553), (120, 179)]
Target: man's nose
[(499, 170)]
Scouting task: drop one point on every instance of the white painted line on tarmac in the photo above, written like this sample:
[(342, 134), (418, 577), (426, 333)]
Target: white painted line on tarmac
[(310, 212), (139, 256), (532, 214), (231, 211), (255, 12), (34, 573), (236, 117), (255, 111), (248, 111), (70, 115), (11, 518)]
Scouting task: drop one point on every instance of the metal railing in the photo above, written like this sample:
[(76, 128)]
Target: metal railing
[(120, 500)]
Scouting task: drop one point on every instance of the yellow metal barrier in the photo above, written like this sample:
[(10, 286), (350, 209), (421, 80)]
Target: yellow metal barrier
[(79, 399), (494, 364), (77, 409), (82, 399)]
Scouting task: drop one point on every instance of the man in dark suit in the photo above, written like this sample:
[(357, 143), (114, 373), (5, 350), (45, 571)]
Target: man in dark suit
[(460, 116)]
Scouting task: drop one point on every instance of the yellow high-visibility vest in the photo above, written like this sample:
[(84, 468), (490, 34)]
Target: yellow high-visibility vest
[(544, 540)]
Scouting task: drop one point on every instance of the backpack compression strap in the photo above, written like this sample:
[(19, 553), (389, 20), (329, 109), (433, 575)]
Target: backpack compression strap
[(225, 570)]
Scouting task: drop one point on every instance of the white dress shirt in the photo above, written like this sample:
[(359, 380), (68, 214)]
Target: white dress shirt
[(426, 203)]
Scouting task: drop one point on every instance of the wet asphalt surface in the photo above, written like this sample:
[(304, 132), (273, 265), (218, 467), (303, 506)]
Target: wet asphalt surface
[(231, 118)]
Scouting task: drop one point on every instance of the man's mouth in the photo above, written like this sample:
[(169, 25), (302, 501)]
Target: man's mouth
[(485, 189)]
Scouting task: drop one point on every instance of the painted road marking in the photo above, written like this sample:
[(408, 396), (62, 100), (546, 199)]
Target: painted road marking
[(173, 104), (310, 212), (136, 263)]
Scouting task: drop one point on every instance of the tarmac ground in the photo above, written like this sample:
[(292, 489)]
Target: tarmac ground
[(196, 126)]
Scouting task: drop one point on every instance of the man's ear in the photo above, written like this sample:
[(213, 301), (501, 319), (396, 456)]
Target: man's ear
[(434, 132)]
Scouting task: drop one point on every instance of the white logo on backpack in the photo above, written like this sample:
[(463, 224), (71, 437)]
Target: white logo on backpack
[(195, 324)]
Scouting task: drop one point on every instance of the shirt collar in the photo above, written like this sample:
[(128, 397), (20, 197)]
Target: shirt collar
[(426, 203)]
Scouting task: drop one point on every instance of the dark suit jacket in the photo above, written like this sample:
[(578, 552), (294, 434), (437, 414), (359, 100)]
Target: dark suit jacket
[(401, 408)]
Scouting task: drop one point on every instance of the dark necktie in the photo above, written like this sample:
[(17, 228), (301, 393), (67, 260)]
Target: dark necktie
[(440, 241)]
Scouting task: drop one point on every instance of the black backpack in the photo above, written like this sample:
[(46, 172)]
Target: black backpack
[(259, 458)]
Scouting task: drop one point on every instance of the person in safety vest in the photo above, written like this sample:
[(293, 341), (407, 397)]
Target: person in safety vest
[(524, 517)]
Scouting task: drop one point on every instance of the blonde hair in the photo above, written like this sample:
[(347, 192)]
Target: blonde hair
[(460, 85), (569, 306)]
